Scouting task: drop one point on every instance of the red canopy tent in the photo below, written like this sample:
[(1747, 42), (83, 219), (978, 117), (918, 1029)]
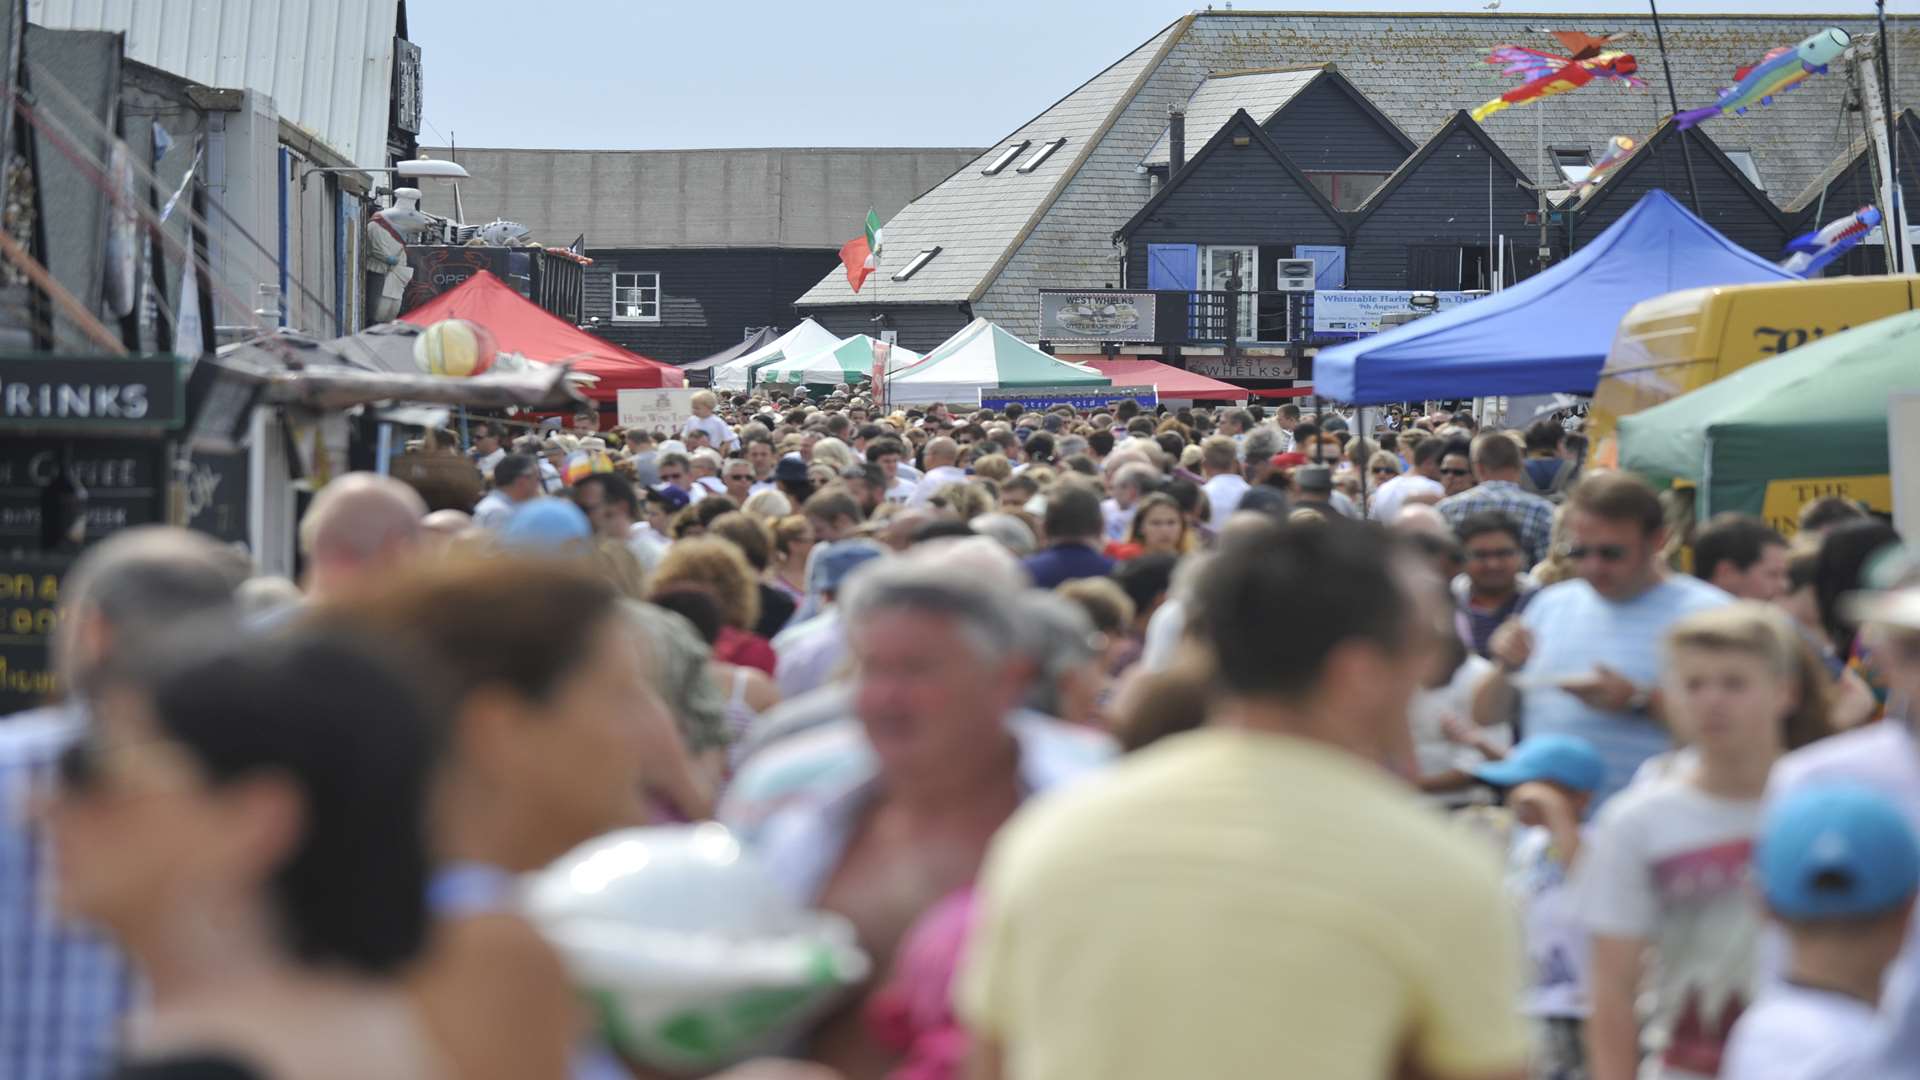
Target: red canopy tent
[(519, 325), (1169, 381)]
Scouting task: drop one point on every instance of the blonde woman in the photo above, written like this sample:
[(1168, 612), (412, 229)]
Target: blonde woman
[(768, 505), (834, 453)]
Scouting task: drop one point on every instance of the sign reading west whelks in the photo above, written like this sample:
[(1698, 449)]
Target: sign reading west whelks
[(1097, 315), (1080, 397), (1236, 368), (91, 392)]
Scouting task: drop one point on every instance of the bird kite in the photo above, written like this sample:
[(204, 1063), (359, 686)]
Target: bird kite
[(1547, 74), (1810, 253), (1619, 149), (1777, 72)]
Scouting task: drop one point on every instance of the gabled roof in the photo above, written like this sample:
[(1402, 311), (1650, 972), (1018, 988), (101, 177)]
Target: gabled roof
[(1711, 157), (1838, 167), (978, 221), (1458, 122), (1001, 240), (1241, 122), (1263, 92)]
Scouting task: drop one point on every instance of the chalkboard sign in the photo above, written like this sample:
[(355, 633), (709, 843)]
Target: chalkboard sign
[(133, 392), (124, 479), (217, 496), (29, 601)]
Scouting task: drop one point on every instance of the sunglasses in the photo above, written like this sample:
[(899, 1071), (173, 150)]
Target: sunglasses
[(1456, 472), (1384, 471), (1603, 552)]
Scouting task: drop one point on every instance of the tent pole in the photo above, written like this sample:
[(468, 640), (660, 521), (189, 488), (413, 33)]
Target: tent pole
[(1673, 98)]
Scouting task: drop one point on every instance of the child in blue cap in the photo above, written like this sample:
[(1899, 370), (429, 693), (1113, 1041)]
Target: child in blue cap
[(1549, 780), (1838, 868)]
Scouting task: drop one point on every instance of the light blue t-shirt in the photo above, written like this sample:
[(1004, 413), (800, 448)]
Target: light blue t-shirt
[(1576, 630)]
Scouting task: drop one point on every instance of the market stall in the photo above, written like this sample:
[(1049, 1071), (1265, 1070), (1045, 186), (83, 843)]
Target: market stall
[(1773, 436), (980, 357), (1168, 381), (808, 337), (520, 326), (1551, 332), (851, 361)]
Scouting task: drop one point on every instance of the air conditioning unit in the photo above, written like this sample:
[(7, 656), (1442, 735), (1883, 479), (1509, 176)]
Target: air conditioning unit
[(1293, 275)]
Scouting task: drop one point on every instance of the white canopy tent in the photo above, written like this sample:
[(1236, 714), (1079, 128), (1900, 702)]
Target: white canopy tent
[(803, 340)]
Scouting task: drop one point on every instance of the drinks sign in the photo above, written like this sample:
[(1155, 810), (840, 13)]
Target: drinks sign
[(91, 392)]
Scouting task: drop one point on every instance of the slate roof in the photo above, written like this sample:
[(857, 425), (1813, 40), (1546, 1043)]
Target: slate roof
[(1003, 237), (1263, 93), (750, 198)]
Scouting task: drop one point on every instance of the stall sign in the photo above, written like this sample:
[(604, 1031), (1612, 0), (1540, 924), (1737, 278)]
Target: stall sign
[(1359, 311), (1080, 397), (95, 392), (665, 409)]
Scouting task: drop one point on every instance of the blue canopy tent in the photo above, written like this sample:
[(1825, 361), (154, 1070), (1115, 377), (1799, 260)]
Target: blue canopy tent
[(1549, 333)]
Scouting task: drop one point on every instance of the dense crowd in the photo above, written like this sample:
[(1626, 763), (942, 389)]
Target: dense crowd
[(1130, 743)]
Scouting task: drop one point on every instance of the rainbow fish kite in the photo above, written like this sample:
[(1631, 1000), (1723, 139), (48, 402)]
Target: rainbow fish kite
[(1547, 74), (1777, 72)]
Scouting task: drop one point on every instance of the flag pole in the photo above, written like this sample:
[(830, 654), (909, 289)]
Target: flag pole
[(1673, 98)]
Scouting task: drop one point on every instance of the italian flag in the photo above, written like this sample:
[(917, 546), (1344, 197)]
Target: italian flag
[(861, 255)]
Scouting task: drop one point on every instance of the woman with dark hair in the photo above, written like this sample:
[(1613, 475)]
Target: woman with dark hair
[(555, 733), (248, 820)]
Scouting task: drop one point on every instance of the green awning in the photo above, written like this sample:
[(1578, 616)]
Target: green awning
[(1818, 411)]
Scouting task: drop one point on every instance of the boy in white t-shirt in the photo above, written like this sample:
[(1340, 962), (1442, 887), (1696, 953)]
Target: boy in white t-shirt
[(1838, 867), (1549, 781), (719, 435)]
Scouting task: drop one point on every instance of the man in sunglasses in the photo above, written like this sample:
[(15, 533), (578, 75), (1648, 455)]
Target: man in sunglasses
[(1584, 658), (66, 990)]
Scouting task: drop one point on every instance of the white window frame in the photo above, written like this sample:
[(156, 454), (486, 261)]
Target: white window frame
[(1006, 157), (913, 267), (634, 286), (1046, 151), (1742, 159)]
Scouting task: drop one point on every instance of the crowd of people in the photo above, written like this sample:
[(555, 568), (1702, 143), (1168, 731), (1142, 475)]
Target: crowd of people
[(1130, 742)]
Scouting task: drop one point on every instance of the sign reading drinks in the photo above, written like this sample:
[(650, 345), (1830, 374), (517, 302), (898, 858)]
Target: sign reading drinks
[(96, 392), (1359, 311), (1097, 315), (662, 410), (1080, 397)]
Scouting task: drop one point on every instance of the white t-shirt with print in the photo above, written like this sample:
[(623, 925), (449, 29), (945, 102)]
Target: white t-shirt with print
[(1556, 942), (1671, 864), (719, 435), (1797, 1033)]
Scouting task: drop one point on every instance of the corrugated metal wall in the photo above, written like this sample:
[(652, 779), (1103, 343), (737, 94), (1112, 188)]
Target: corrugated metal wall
[(327, 64)]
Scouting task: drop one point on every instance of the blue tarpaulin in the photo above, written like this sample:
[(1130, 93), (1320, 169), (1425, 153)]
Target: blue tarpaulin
[(1549, 333)]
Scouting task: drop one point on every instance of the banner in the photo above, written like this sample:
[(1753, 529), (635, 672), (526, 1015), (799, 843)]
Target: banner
[(1080, 397), (662, 410), (1097, 315), (1356, 311)]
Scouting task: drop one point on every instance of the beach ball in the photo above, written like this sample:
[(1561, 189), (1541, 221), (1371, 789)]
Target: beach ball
[(454, 347)]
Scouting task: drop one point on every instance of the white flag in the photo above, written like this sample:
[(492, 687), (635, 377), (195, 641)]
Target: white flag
[(187, 333)]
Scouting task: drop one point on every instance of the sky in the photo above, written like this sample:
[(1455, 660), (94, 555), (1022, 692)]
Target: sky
[(645, 74)]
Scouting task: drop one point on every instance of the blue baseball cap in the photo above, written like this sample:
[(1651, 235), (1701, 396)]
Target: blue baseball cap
[(545, 524), (1567, 760), (1836, 851)]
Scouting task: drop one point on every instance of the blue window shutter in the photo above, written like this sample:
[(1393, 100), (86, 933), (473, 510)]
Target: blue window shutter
[(1329, 264), (1172, 266)]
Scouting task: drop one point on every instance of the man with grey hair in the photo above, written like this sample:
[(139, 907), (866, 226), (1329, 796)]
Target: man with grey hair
[(1134, 481), (65, 991), (1258, 451), (359, 525), (883, 815)]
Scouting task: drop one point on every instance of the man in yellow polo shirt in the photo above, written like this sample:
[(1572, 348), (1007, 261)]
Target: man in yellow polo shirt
[(1260, 898)]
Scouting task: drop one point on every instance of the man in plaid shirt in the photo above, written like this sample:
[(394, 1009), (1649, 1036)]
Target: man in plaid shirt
[(1496, 465), (64, 989)]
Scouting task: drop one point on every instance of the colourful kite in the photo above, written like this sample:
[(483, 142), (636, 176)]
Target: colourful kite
[(1619, 149), (1811, 252), (1548, 74), (1777, 72)]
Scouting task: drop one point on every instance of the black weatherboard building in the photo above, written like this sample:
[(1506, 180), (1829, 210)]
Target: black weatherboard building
[(1271, 105), (694, 249)]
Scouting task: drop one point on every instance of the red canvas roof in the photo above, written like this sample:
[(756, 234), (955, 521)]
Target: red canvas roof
[(522, 326), (1170, 381)]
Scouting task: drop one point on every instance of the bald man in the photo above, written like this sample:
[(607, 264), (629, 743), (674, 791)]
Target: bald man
[(359, 525), (942, 458)]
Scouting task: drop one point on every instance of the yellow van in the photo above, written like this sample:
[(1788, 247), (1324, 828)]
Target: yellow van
[(1684, 340)]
